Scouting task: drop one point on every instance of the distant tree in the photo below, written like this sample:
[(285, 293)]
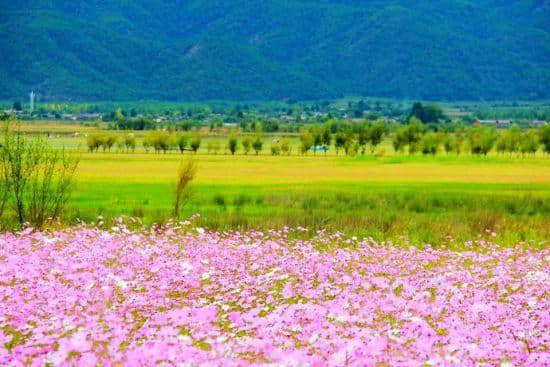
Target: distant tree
[(413, 134), (120, 144), (17, 106), (246, 143), (93, 141), (340, 141), (544, 137), (529, 142), (481, 140), (257, 144), (119, 115), (146, 143), (417, 111), (130, 142), (195, 142), (459, 141), (376, 133), (501, 144), (306, 141), (327, 136), (232, 143), (160, 141), (351, 146), (449, 142), (429, 143), (275, 148), (432, 113), (426, 114), (399, 139), (182, 142), (317, 135), (285, 146), (107, 141), (509, 140), (363, 137)]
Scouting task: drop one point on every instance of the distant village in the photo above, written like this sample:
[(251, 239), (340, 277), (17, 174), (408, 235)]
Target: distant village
[(294, 112)]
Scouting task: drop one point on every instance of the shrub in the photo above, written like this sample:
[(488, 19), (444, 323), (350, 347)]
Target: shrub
[(39, 178)]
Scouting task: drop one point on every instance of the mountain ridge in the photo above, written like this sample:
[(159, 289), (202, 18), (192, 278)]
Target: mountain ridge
[(275, 49)]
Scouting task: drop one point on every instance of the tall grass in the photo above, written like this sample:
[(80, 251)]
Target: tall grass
[(186, 173)]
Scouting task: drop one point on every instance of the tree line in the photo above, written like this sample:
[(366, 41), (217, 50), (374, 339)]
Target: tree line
[(350, 139)]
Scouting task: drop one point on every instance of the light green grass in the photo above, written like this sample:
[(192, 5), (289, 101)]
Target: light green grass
[(427, 199)]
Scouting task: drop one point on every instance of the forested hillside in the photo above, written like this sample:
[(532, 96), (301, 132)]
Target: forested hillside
[(275, 49)]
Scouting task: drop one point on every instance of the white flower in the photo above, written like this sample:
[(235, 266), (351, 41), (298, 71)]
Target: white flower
[(312, 339), (184, 338), (341, 318), (186, 267)]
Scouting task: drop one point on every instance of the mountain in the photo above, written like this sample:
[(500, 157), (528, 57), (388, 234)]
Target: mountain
[(275, 49)]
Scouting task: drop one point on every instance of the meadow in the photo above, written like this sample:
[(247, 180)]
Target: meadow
[(438, 199), (443, 199)]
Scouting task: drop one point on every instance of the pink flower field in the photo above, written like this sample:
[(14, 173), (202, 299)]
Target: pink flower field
[(182, 296)]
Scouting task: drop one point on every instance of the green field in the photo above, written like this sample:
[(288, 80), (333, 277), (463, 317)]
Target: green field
[(426, 199), (441, 199)]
